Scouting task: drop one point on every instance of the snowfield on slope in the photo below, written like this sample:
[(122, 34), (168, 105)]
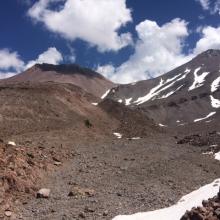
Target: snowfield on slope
[(198, 79), (175, 212), (215, 84), (162, 86), (215, 102)]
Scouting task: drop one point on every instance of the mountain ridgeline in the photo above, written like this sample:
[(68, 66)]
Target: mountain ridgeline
[(187, 95), (89, 80)]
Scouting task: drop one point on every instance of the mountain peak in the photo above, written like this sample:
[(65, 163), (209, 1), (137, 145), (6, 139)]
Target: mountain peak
[(67, 69), (89, 80)]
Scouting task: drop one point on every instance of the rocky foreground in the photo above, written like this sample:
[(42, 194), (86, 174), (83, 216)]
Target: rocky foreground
[(209, 211)]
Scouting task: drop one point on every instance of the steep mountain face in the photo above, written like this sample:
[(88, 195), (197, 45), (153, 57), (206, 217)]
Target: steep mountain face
[(91, 81), (189, 94)]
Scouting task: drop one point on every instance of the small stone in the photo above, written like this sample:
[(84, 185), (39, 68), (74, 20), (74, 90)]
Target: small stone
[(12, 143), (88, 209), (82, 215), (217, 212), (43, 193), (119, 194), (105, 213), (8, 213), (56, 163)]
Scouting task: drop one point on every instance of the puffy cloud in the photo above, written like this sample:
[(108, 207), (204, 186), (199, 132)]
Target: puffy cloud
[(10, 60), (94, 21), (51, 56), (210, 39), (158, 50), (11, 64)]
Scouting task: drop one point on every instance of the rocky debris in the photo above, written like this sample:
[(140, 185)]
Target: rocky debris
[(82, 215), (200, 140), (79, 192), (43, 193), (209, 211), (133, 122), (20, 167)]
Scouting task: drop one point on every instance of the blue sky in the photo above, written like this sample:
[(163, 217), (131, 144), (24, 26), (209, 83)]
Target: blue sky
[(125, 40)]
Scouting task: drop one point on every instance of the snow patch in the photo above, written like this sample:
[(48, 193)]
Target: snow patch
[(208, 116), (215, 84), (215, 102), (136, 138), (198, 79), (105, 94), (95, 103), (208, 121), (182, 124), (120, 101), (128, 101), (118, 135), (217, 156), (161, 125), (176, 211), (171, 93)]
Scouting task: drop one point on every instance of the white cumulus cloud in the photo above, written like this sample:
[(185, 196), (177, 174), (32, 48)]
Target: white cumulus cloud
[(51, 56), (11, 63), (10, 60), (210, 39), (94, 21), (158, 50)]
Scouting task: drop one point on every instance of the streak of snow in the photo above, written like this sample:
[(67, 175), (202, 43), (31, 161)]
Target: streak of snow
[(136, 138), (128, 101), (182, 124), (95, 103), (215, 102), (120, 101), (208, 116), (171, 79), (118, 135), (198, 79), (170, 93), (215, 84), (159, 88), (161, 125), (105, 94), (176, 211), (208, 153), (208, 121)]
